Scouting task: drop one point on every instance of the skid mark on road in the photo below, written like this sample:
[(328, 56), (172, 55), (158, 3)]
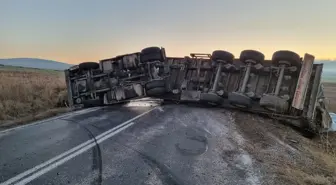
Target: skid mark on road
[(53, 163)]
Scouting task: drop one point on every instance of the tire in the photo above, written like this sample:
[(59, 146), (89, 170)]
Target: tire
[(219, 55), (150, 57), (211, 98), (156, 91), (155, 84), (151, 50), (254, 55), (286, 57), (91, 103), (151, 54), (239, 100), (88, 66), (274, 103)]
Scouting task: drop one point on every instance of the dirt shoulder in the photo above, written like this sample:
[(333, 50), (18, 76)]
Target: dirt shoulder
[(34, 117), (285, 155)]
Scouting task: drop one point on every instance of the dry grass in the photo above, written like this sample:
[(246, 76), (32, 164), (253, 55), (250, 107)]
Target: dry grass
[(284, 155), (26, 94)]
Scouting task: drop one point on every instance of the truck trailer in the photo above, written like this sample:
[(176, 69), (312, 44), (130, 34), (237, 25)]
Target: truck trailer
[(286, 88)]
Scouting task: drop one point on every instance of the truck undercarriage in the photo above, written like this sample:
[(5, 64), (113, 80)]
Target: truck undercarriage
[(286, 88)]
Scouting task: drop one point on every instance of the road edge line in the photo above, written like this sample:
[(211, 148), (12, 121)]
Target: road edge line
[(71, 151)]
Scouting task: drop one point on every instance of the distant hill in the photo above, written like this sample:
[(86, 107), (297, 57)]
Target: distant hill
[(329, 70), (328, 66), (35, 63)]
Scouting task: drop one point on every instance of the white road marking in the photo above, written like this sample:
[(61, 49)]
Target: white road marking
[(67, 158), (160, 109), (72, 151), (52, 118)]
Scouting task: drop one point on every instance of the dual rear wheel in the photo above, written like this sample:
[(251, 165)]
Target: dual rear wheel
[(271, 102)]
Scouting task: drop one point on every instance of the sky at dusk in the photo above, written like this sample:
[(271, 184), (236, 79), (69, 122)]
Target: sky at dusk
[(74, 31)]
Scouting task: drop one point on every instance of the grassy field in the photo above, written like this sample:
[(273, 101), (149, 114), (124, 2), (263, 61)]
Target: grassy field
[(25, 69), (30, 94)]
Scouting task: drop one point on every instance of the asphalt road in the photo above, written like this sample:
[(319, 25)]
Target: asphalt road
[(170, 144)]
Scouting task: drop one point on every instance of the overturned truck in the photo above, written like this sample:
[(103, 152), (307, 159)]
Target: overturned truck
[(286, 88)]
